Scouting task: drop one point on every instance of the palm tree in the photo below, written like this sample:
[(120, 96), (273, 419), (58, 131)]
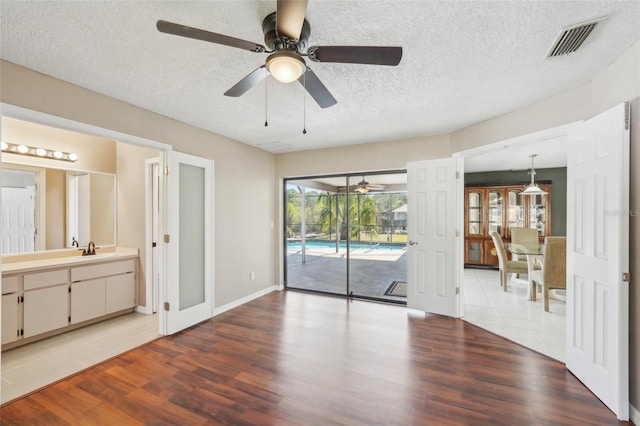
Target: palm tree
[(362, 212)]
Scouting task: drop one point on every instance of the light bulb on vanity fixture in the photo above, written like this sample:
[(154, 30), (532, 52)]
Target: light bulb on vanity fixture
[(33, 151), (532, 188)]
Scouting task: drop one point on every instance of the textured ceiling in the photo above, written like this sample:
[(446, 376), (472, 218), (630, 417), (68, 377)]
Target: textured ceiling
[(463, 62)]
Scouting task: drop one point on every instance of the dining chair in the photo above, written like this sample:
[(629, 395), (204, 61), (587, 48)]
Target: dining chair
[(506, 266), (527, 237), (553, 274)]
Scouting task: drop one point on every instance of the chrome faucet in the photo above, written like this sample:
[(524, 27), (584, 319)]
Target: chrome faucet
[(90, 250), (74, 242)]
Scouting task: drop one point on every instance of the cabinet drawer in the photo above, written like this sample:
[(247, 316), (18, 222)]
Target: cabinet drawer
[(46, 279), (10, 284), (81, 273)]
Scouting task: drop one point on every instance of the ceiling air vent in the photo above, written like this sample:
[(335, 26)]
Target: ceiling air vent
[(571, 38)]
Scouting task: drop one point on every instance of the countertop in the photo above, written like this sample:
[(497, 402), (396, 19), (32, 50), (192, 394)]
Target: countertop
[(67, 258)]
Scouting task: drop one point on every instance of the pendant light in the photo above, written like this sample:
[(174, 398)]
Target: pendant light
[(532, 188)]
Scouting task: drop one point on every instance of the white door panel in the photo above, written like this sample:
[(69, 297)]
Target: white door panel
[(190, 249), (432, 222), (597, 256)]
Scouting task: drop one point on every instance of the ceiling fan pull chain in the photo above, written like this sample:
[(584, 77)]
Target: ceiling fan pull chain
[(304, 104), (266, 123)]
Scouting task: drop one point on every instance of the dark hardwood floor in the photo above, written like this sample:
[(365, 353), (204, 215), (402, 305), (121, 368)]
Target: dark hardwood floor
[(296, 358)]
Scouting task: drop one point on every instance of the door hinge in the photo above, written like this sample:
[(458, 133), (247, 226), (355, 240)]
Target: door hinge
[(166, 170), (167, 306), (457, 232), (18, 333), (69, 318), (626, 277), (457, 175), (457, 290), (154, 244), (627, 115), (167, 238)]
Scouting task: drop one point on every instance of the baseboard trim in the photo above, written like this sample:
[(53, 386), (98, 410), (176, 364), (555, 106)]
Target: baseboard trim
[(242, 301), (143, 310), (634, 415)]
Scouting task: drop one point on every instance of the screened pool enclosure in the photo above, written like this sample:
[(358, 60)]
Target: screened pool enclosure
[(347, 235)]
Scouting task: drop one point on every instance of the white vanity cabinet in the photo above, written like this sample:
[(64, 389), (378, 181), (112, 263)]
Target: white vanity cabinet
[(10, 311), (101, 289), (45, 296), (46, 301)]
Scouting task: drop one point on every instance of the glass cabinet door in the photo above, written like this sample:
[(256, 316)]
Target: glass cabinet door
[(515, 210), (495, 200), (474, 205), (538, 213)]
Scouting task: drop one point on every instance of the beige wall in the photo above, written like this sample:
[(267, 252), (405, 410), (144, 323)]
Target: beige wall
[(360, 158), (131, 196), (94, 154), (244, 176), (56, 207)]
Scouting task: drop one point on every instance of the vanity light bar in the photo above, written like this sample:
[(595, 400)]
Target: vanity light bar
[(33, 151)]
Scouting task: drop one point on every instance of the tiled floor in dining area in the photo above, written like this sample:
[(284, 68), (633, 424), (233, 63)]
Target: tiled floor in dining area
[(511, 315)]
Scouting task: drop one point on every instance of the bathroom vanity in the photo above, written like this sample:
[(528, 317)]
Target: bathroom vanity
[(48, 293)]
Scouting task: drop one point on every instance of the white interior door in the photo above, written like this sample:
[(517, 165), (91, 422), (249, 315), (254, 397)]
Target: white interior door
[(189, 260), (598, 255), (432, 276), (18, 220)]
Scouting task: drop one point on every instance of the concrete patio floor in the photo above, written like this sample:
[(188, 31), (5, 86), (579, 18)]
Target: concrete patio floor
[(371, 272)]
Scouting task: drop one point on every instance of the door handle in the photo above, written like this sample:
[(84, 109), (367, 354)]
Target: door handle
[(413, 243)]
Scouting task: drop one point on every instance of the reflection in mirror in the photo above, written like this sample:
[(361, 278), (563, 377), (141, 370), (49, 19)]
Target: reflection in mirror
[(56, 214), (18, 211)]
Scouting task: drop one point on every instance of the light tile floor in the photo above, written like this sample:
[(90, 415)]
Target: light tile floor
[(30, 367), (511, 315)]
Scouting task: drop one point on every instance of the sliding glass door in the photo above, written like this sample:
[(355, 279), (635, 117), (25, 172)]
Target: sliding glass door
[(346, 235)]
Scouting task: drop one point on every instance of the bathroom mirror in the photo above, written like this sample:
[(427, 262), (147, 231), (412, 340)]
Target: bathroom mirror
[(48, 209)]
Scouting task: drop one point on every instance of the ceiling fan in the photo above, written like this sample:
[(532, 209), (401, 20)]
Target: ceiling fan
[(363, 187), (286, 35)]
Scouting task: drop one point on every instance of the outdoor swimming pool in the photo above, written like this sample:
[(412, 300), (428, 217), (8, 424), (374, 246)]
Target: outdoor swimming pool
[(297, 245)]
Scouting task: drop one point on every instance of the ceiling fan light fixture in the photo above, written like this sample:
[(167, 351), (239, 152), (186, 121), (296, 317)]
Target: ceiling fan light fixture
[(285, 67)]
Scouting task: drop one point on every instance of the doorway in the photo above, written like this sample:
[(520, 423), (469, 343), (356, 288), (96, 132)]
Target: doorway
[(346, 235), (485, 304), (121, 333)]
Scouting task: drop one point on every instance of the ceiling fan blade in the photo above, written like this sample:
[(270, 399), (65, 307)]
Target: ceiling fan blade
[(290, 17), (195, 33), (316, 89), (373, 55), (243, 86)]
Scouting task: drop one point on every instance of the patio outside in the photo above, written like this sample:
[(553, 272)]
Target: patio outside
[(333, 234)]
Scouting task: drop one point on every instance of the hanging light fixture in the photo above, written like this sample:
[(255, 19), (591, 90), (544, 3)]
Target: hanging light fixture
[(532, 188)]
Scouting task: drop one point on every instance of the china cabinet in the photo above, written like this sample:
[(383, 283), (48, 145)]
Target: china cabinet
[(500, 208)]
